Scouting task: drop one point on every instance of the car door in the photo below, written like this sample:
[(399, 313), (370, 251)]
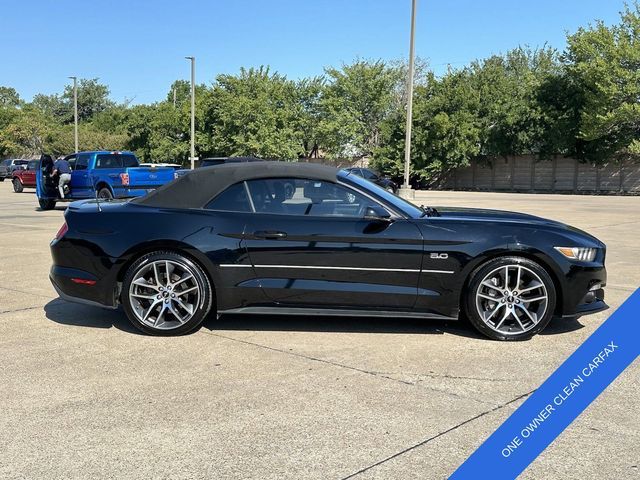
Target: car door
[(317, 249), (29, 176), (81, 181)]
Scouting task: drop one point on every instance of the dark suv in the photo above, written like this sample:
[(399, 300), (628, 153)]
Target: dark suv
[(213, 161), (374, 177)]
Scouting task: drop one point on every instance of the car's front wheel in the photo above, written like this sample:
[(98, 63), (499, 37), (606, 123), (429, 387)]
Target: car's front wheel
[(510, 298), (165, 293), (17, 185)]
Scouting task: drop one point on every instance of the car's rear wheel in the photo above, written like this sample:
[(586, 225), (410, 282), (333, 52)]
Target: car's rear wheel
[(17, 185), (105, 193), (1, 179), (510, 298), (46, 204), (166, 293)]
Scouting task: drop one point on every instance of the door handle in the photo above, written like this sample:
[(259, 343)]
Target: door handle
[(113, 175), (269, 235)]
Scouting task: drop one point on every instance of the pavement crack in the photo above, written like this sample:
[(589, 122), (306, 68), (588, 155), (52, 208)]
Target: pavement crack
[(28, 293), (20, 309), (445, 375), (430, 439), (348, 367)]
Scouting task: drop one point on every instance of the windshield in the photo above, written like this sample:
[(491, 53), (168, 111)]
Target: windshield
[(401, 204)]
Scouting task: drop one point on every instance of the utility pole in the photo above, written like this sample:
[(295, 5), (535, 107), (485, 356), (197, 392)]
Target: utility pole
[(406, 191), (193, 111), (174, 97), (75, 110)]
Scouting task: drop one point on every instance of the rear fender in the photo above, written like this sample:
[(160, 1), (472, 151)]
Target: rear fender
[(134, 253)]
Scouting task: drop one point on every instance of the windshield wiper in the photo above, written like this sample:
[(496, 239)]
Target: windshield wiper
[(428, 212)]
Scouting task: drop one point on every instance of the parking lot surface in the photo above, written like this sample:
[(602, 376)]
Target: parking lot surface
[(84, 395)]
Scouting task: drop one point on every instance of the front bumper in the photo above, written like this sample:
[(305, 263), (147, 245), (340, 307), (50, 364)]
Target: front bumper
[(592, 302)]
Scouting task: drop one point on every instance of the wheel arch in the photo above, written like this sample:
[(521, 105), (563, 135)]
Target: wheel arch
[(172, 246), (529, 253), (102, 184)]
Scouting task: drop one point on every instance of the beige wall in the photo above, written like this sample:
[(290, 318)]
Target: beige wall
[(526, 174)]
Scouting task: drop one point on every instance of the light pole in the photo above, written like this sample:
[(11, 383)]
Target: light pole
[(406, 191), (193, 111), (75, 111)]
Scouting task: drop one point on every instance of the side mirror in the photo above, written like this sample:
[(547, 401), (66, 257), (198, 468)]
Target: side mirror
[(375, 213)]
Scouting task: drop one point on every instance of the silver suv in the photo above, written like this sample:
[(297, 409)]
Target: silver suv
[(8, 166)]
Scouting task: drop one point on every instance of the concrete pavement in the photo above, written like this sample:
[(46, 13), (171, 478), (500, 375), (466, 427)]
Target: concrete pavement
[(83, 394)]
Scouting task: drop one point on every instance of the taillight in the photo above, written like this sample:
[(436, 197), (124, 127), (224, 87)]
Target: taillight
[(125, 178), (63, 229)]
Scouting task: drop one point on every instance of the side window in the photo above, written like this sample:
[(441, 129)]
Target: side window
[(82, 162), (108, 160), (129, 160), (32, 165), (72, 161), (233, 199), (369, 175), (292, 196)]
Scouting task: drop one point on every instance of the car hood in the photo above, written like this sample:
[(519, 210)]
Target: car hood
[(491, 215), (501, 216)]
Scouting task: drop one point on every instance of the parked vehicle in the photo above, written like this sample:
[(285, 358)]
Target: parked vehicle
[(25, 178), (7, 167), (374, 177), (175, 166), (214, 161), (227, 240), (100, 174)]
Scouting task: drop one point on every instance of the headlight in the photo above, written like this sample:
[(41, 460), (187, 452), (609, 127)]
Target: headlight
[(582, 254)]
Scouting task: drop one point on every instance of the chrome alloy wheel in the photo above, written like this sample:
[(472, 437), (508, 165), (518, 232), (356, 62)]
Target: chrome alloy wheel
[(512, 299), (164, 294)]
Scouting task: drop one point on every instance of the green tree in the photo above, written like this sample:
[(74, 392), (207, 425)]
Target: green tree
[(253, 113), (604, 63), (93, 98), (53, 106), (308, 103), (9, 97), (357, 99)]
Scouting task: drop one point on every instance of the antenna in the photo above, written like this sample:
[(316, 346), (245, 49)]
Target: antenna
[(97, 196)]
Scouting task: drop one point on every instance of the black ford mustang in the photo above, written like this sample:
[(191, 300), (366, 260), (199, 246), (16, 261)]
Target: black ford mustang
[(304, 239)]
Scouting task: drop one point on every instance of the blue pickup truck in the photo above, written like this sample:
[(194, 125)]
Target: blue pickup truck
[(101, 174)]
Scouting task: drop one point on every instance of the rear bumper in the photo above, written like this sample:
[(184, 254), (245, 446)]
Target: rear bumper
[(136, 191), (68, 282)]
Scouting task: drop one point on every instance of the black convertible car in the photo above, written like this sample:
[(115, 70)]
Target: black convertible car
[(229, 239)]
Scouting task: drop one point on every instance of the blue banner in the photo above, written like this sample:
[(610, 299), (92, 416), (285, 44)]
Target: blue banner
[(560, 399)]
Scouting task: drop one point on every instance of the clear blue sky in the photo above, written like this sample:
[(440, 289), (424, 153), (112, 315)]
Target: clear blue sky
[(137, 47)]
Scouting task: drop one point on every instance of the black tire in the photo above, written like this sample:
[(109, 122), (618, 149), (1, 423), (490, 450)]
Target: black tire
[(1, 179), (204, 303), (105, 193), (471, 310), (17, 185), (46, 204)]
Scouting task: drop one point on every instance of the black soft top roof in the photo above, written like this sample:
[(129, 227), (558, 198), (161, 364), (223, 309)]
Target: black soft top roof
[(198, 187)]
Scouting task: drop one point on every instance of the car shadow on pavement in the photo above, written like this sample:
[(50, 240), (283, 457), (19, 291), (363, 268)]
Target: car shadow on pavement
[(295, 323), (78, 315), (562, 325)]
